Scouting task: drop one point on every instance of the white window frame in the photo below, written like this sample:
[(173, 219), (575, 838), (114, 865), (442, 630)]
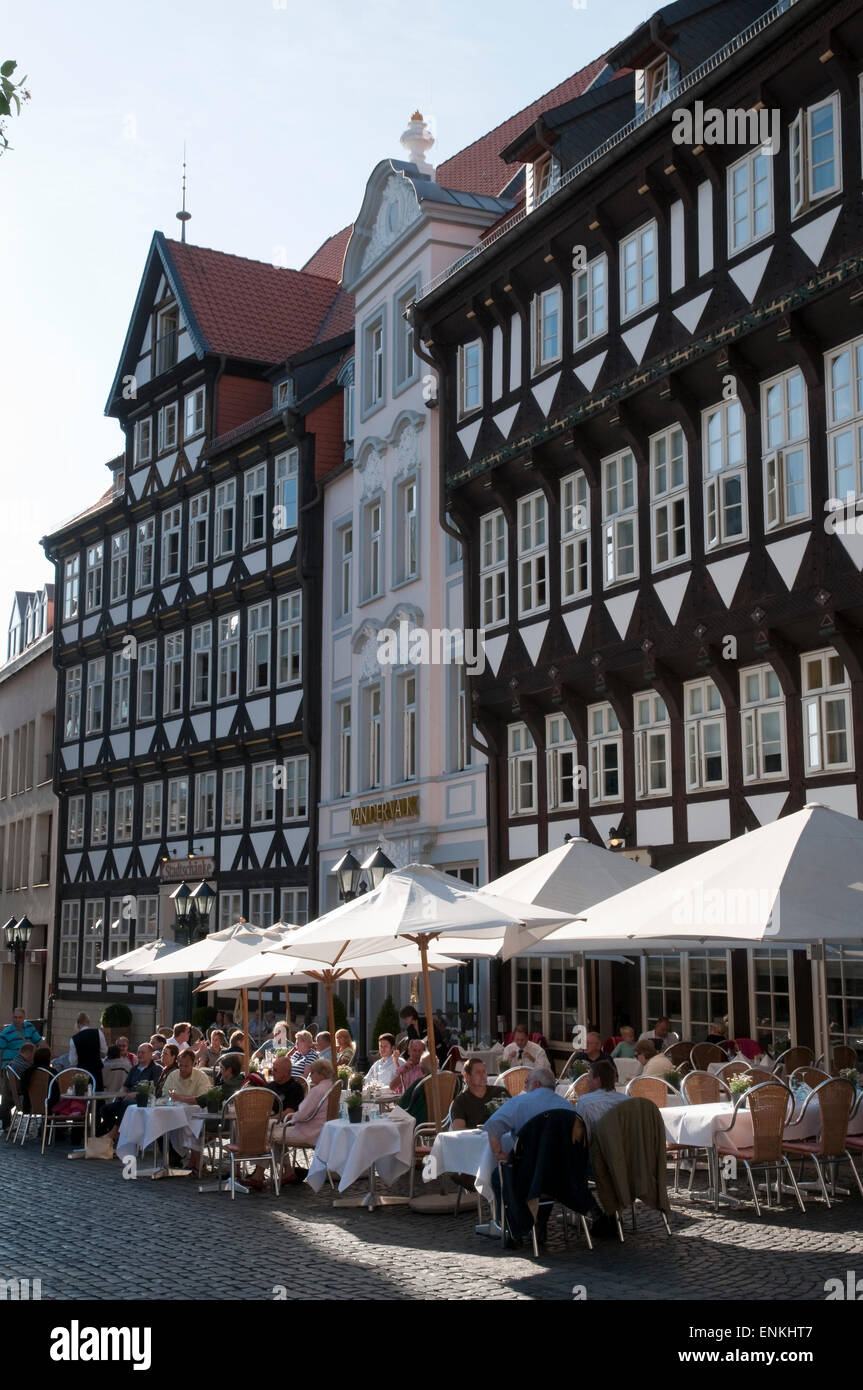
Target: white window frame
[(344, 569), (229, 656), (95, 570), (193, 413), (145, 554), (225, 519), (374, 363), (75, 822), (651, 732), (230, 909), (407, 530), (255, 506), (373, 704), (800, 154), (546, 350), (295, 906), (590, 302), (619, 517), (121, 676), (199, 530), (532, 557), (756, 169), (522, 770), (697, 722), (201, 686), (71, 573), (635, 253), (295, 792), (845, 423), (290, 638), (407, 695), (815, 701), (124, 815), (767, 703), (721, 470), (70, 936), (146, 693), (785, 450), (72, 704), (562, 766), (233, 794), (287, 490), (493, 569), (373, 548), (151, 811), (669, 496), (205, 802), (95, 715), (168, 427), (177, 806), (99, 817), (144, 440), (575, 537), (406, 362), (261, 906), (258, 648), (469, 378), (344, 736), (172, 690), (604, 736), (263, 806), (94, 937), (172, 546), (119, 566)]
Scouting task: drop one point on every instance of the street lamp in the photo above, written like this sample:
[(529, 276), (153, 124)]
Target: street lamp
[(617, 839), (192, 908), (377, 866), (347, 872), (349, 876), (16, 936)]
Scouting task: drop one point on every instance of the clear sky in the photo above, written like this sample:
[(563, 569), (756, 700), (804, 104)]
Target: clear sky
[(285, 107)]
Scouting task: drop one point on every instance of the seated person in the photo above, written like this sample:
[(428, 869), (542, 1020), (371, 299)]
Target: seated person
[(237, 1041), (521, 1052), (157, 1042), (186, 1085), (281, 1038), (593, 1050), (345, 1048), (600, 1095), (291, 1092), (304, 1053), (146, 1069), (115, 1070), (381, 1072), (718, 1033), (653, 1063), (470, 1109), (661, 1036), (505, 1124), (414, 1098), (324, 1046), (303, 1128), (123, 1044), (170, 1053), (626, 1046), (409, 1070), (232, 1075)]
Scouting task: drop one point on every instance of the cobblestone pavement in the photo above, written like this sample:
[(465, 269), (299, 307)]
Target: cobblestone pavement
[(75, 1224)]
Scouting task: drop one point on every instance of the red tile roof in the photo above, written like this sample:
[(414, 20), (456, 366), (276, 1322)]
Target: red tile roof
[(329, 258), (253, 310), (479, 169)]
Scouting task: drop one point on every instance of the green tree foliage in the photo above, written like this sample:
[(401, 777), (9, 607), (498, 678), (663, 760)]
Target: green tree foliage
[(340, 1014), (12, 95), (387, 1020)]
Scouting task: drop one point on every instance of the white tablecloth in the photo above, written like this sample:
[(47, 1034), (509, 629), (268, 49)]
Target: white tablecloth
[(142, 1126), (489, 1056), (698, 1124), (627, 1068), (462, 1151), (350, 1150)]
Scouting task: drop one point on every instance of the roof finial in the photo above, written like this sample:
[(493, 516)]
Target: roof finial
[(183, 216), (418, 140)]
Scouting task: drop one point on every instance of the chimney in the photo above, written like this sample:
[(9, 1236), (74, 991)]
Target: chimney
[(417, 139)]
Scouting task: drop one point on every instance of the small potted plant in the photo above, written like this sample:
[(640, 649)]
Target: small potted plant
[(355, 1106), (739, 1085), (495, 1103), (344, 1075), (355, 1083), (142, 1094), (576, 1070), (850, 1074), (673, 1078), (213, 1100), (280, 1052), (80, 1086)]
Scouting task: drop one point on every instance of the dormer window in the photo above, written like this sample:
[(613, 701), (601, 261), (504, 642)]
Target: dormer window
[(166, 339), (657, 85), (285, 395), (544, 175)]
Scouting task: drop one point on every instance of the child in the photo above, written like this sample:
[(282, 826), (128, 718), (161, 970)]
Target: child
[(626, 1047)]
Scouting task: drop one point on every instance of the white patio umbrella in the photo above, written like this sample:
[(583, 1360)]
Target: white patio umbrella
[(145, 955), (420, 904), (571, 878)]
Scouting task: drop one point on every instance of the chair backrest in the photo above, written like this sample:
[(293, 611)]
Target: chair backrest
[(628, 1156), (760, 1074), (810, 1076), (253, 1110), (37, 1090), (771, 1105), (836, 1098), (564, 1071), (66, 1078), (733, 1069), (514, 1079), (704, 1053), (795, 1057), (843, 1057), (579, 1087), (651, 1088), (334, 1099), (14, 1088), (701, 1088), (447, 1084), (679, 1052)]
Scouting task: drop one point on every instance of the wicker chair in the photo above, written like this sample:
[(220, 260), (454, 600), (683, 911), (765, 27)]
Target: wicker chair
[(63, 1080), (760, 1074), (579, 1087), (37, 1094), (702, 1088), (17, 1114), (425, 1134), (703, 1054), (515, 1079), (253, 1111), (771, 1105), (654, 1088), (836, 1100), (679, 1053), (332, 1101), (810, 1076), (793, 1058), (843, 1058), (732, 1069)]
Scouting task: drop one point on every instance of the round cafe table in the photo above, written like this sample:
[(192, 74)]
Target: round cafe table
[(143, 1126), (374, 1147)]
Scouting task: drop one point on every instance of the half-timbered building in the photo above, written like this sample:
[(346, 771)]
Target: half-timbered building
[(187, 641), (651, 434)]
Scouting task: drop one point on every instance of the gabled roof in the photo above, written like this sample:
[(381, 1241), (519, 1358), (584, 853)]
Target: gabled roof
[(329, 257), (479, 168)]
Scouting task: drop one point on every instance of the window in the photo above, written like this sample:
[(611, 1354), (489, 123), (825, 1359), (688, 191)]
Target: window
[(151, 813), (95, 560), (469, 377), (348, 404), (261, 905), (229, 656), (844, 391), (144, 441), (522, 770), (263, 798), (199, 525), (406, 362), (146, 681), (562, 758), (295, 791), (639, 282), (545, 308), (372, 553), (290, 638), (193, 420), (167, 428), (166, 339), (771, 998), (70, 588), (724, 449), (827, 745), (605, 753), (295, 906), (173, 692), (145, 554), (343, 733), (230, 909), (147, 919), (545, 994), (120, 678), (460, 748), (657, 85), (344, 569), (287, 494), (119, 923), (258, 649), (254, 505), (205, 802), (544, 172), (70, 922), (407, 535), (233, 790), (669, 497), (532, 554), (620, 518), (124, 806), (750, 200), (95, 696), (590, 302), (94, 936), (815, 154), (785, 436), (285, 394), (762, 724), (408, 702), (373, 364), (225, 508), (172, 522), (705, 736), (493, 561), (119, 566), (844, 971), (178, 805), (652, 746), (202, 655), (662, 988), (374, 736), (75, 823), (99, 818), (72, 704)]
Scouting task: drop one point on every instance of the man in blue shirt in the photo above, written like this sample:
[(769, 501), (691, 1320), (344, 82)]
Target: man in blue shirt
[(12, 1039), (510, 1118)]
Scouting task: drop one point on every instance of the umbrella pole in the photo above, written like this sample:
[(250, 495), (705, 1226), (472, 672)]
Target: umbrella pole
[(329, 979), (260, 1029), (245, 997), (422, 942)]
